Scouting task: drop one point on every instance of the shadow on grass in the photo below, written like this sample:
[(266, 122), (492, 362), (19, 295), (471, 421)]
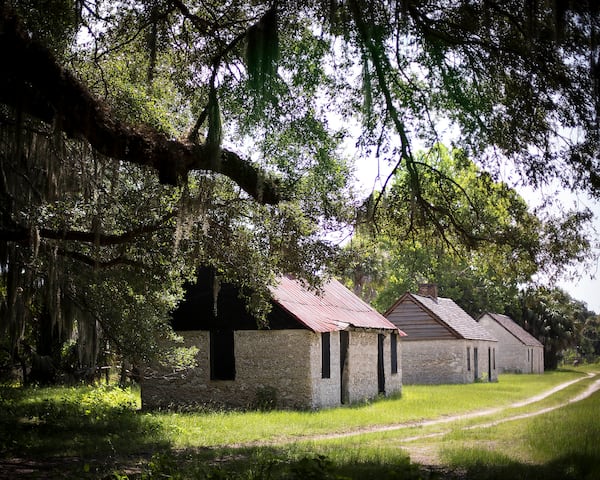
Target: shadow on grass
[(271, 463), (488, 465), (78, 422), (98, 433), (267, 463)]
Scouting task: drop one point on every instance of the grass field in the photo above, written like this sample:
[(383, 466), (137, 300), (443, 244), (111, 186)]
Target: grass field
[(99, 432)]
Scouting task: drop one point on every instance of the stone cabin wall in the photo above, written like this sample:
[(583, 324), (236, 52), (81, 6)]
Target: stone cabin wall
[(433, 362), (363, 366), (286, 363), (276, 361), (512, 355)]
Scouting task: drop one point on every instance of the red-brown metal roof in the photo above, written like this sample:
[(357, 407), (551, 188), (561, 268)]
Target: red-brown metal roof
[(332, 308)]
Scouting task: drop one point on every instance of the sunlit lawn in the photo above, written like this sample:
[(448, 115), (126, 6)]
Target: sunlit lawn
[(96, 423), (562, 444), (416, 403)]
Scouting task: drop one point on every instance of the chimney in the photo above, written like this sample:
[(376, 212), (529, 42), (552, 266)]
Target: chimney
[(428, 290)]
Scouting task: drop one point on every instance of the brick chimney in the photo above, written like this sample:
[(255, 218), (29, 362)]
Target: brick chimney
[(428, 290)]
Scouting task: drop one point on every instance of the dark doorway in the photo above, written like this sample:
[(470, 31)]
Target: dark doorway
[(380, 364), (531, 356), (394, 353), (222, 355), (476, 362), (344, 344), (489, 364)]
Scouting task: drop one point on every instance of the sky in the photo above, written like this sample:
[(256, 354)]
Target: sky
[(585, 289)]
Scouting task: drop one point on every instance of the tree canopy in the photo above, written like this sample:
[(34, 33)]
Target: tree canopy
[(485, 246), (140, 139)]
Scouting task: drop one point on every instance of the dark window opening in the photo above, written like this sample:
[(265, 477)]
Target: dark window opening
[(222, 355), (468, 359), (394, 352), (325, 355)]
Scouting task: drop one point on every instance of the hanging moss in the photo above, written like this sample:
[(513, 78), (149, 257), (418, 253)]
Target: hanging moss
[(262, 54), (214, 136)]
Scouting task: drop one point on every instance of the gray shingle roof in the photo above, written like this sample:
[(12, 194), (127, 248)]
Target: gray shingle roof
[(516, 330), (448, 312)]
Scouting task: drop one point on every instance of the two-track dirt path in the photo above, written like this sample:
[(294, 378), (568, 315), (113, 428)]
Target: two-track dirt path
[(427, 454), (595, 386)]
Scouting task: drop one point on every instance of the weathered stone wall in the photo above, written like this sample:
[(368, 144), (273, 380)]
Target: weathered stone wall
[(511, 355), (538, 359), (434, 362), (393, 381), (445, 361), (269, 364), (362, 367), (326, 391), (487, 352), (282, 364)]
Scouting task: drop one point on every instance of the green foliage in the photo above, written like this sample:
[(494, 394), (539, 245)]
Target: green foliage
[(262, 54), (266, 398), (475, 237), (53, 22), (590, 337), (214, 137), (72, 421)]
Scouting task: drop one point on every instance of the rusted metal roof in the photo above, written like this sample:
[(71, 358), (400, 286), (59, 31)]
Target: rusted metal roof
[(332, 308)]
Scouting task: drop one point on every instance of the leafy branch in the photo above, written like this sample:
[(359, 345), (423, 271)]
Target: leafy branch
[(34, 83)]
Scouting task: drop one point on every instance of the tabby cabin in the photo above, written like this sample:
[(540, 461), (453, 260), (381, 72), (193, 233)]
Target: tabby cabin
[(443, 343), (518, 350), (317, 351)]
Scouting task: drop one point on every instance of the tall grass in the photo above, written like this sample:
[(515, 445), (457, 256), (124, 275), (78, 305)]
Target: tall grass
[(418, 402), (72, 421), (106, 423), (570, 432)]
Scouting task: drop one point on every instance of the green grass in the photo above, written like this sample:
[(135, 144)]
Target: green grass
[(563, 444), (417, 403), (105, 430), (72, 421)]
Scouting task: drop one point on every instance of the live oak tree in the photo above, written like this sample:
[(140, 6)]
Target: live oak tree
[(93, 242), (139, 139)]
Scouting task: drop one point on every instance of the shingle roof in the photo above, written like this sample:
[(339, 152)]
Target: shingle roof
[(516, 330), (448, 312), (335, 308)]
